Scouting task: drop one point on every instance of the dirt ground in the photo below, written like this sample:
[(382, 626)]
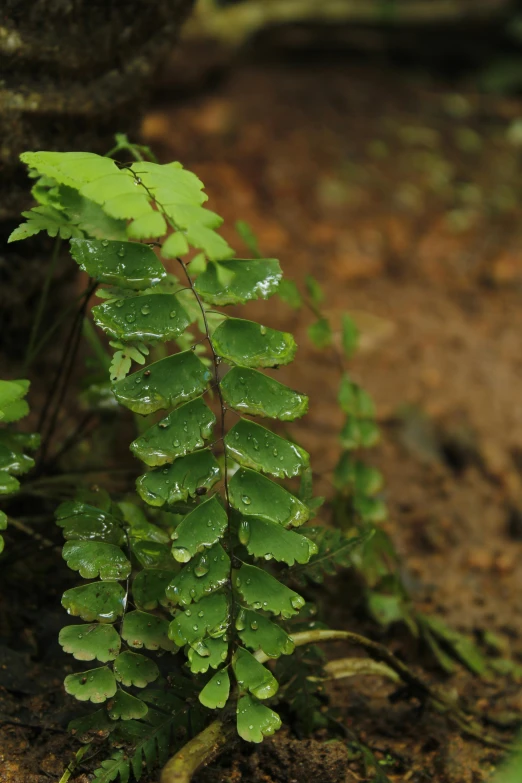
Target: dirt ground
[(403, 197)]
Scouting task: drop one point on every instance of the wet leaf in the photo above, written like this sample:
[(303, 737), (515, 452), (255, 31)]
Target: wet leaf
[(200, 577), (249, 391), (215, 693), (146, 317), (96, 685), (101, 601), (175, 245), (179, 481), (259, 633), (181, 432), (209, 616), (148, 226), (269, 540), (83, 522), (152, 554), (253, 676), (11, 392), (320, 333), (127, 264), (126, 707), (141, 629), (200, 529), (249, 344), (134, 669), (91, 559), (255, 721), (237, 281), (90, 642), (148, 588), (255, 495), (163, 384), (262, 591), (256, 447), (215, 654)]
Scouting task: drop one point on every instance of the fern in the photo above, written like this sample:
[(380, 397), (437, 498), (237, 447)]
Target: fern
[(14, 461), (193, 581)]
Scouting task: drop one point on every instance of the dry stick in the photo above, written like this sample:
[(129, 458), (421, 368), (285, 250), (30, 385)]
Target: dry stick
[(207, 745)]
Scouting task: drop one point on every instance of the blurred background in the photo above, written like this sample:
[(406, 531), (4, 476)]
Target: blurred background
[(377, 145)]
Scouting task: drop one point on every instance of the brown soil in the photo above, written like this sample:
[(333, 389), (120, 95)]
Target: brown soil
[(403, 200)]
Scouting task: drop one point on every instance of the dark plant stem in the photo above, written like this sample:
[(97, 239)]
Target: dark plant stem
[(64, 374), (42, 302)]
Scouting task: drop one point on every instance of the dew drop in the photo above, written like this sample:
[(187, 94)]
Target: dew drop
[(244, 532), (246, 500), (105, 242), (254, 625), (130, 318), (163, 425), (275, 452), (202, 567), (263, 330), (297, 602), (121, 252), (145, 310), (173, 314)]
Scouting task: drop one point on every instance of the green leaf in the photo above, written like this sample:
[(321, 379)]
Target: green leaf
[(175, 245), (96, 685), (253, 676), (209, 616), (259, 633), (334, 550), (249, 344), (170, 183), (349, 336), (126, 707), (314, 290), (141, 629), (288, 292), (73, 168), (14, 412), (134, 669), (148, 588), (269, 540), (95, 724), (163, 384), (86, 214), (151, 554), (101, 601), (255, 447), (463, 647), (126, 264), (355, 401), (258, 496), (145, 317), (181, 432), (8, 484), (14, 462), (45, 218), (90, 642), (119, 366), (200, 529), (238, 281), (206, 239), (140, 528), (255, 721), (262, 591), (249, 391), (355, 475), (149, 226), (359, 434), (198, 471), (91, 559), (320, 333), (83, 522), (215, 693), (214, 653), (200, 577), (12, 391)]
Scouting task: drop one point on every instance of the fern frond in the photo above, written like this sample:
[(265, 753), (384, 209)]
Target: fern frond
[(334, 550)]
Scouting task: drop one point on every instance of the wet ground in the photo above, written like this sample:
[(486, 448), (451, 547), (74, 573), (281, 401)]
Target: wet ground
[(403, 198)]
